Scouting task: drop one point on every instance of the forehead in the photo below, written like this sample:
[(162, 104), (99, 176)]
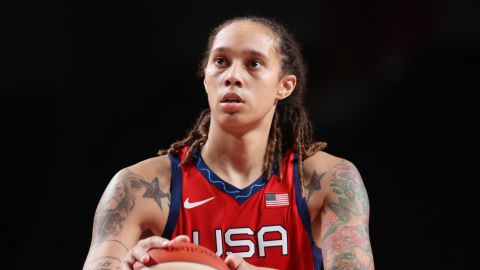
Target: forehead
[(246, 36)]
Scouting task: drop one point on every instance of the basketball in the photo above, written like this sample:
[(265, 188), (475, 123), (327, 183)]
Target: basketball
[(182, 256)]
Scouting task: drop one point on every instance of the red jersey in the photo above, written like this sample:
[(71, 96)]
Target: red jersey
[(267, 223)]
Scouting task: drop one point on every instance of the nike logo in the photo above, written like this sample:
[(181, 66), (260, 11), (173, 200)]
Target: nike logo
[(189, 205)]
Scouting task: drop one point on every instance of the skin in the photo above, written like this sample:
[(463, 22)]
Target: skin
[(243, 60)]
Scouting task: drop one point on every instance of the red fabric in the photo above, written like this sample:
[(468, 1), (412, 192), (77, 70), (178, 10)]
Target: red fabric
[(222, 219)]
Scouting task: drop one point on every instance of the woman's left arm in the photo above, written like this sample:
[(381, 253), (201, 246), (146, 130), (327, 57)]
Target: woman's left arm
[(345, 211)]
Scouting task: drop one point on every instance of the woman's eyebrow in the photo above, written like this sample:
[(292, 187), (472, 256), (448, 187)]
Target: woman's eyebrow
[(248, 51)]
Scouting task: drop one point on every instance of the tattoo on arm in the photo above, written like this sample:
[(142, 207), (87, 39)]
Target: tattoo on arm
[(346, 240), (104, 263), (153, 191), (314, 184), (349, 249), (119, 201), (118, 242)]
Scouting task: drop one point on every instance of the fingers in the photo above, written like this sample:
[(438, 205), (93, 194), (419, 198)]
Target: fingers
[(234, 262), (125, 265), (179, 239), (140, 251)]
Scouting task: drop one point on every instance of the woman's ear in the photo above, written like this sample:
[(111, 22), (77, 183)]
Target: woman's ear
[(286, 86)]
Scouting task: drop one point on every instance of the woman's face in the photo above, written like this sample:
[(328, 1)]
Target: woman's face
[(243, 76)]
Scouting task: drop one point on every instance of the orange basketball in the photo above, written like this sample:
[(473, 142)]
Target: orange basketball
[(180, 256)]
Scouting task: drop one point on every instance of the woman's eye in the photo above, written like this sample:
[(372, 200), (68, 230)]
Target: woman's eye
[(220, 61), (255, 64)]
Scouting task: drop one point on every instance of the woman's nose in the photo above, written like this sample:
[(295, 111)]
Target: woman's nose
[(234, 76)]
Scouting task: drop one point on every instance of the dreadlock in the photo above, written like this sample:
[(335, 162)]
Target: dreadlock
[(291, 128), (195, 138)]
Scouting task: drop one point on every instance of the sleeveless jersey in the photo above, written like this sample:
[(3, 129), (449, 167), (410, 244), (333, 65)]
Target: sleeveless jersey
[(267, 223)]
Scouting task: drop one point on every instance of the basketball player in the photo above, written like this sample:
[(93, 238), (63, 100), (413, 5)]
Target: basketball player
[(247, 182)]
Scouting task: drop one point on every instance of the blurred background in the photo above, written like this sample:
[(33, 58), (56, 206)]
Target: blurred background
[(87, 88)]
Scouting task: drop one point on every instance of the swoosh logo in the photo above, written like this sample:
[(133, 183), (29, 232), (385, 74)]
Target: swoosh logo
[(189, 205)]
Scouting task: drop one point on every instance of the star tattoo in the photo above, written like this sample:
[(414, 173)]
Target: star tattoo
[(153, 191), (314, 184)]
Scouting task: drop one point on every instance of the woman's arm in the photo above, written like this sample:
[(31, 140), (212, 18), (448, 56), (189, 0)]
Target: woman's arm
[(345, 237), (125, 212)]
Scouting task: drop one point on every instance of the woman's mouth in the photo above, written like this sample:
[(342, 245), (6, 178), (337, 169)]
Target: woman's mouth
[(232, 97), (231, 102)]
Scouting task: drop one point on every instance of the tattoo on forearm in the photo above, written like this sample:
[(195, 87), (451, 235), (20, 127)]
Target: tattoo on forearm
[(348, 261), (103, 263), (314, 184), (349, 249), (118, 242), (119, 201), (346, 245)]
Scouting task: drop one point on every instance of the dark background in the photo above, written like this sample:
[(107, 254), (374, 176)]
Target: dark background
[(88, 88)]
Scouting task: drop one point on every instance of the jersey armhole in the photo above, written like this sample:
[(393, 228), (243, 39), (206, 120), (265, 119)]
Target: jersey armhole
[(176, 197), (305, 216)]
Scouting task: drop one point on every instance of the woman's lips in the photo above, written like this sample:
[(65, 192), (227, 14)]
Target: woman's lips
[(231, 107), (231, 102), (231, 97)]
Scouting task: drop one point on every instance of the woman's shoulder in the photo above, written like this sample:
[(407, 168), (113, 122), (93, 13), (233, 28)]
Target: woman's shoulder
[(325, 166), (322, 161), (322, 173), (155, 167)]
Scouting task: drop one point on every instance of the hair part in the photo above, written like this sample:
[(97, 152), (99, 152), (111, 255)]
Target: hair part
[(291, 128)]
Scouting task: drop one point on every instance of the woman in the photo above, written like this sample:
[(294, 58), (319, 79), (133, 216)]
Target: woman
[(247, 181)]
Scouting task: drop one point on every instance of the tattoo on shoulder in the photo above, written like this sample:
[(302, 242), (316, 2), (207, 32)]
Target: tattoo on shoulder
[(153, 191), (314, 184), (119, 200)]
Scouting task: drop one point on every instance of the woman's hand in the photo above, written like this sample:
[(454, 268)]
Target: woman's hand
[(139, 252), (236, 262)]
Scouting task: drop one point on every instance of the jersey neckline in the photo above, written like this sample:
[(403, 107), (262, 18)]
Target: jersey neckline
[(239, 195)]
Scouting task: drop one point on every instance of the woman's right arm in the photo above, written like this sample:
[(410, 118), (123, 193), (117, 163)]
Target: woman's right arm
[(131, 205)]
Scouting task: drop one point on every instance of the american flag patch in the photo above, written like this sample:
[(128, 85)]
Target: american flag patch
[(276, 199)]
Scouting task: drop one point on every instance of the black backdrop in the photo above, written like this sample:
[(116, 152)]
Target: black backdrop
[(89, 88)]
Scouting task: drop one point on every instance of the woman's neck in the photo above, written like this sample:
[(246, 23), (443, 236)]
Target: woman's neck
[(236, 158)]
